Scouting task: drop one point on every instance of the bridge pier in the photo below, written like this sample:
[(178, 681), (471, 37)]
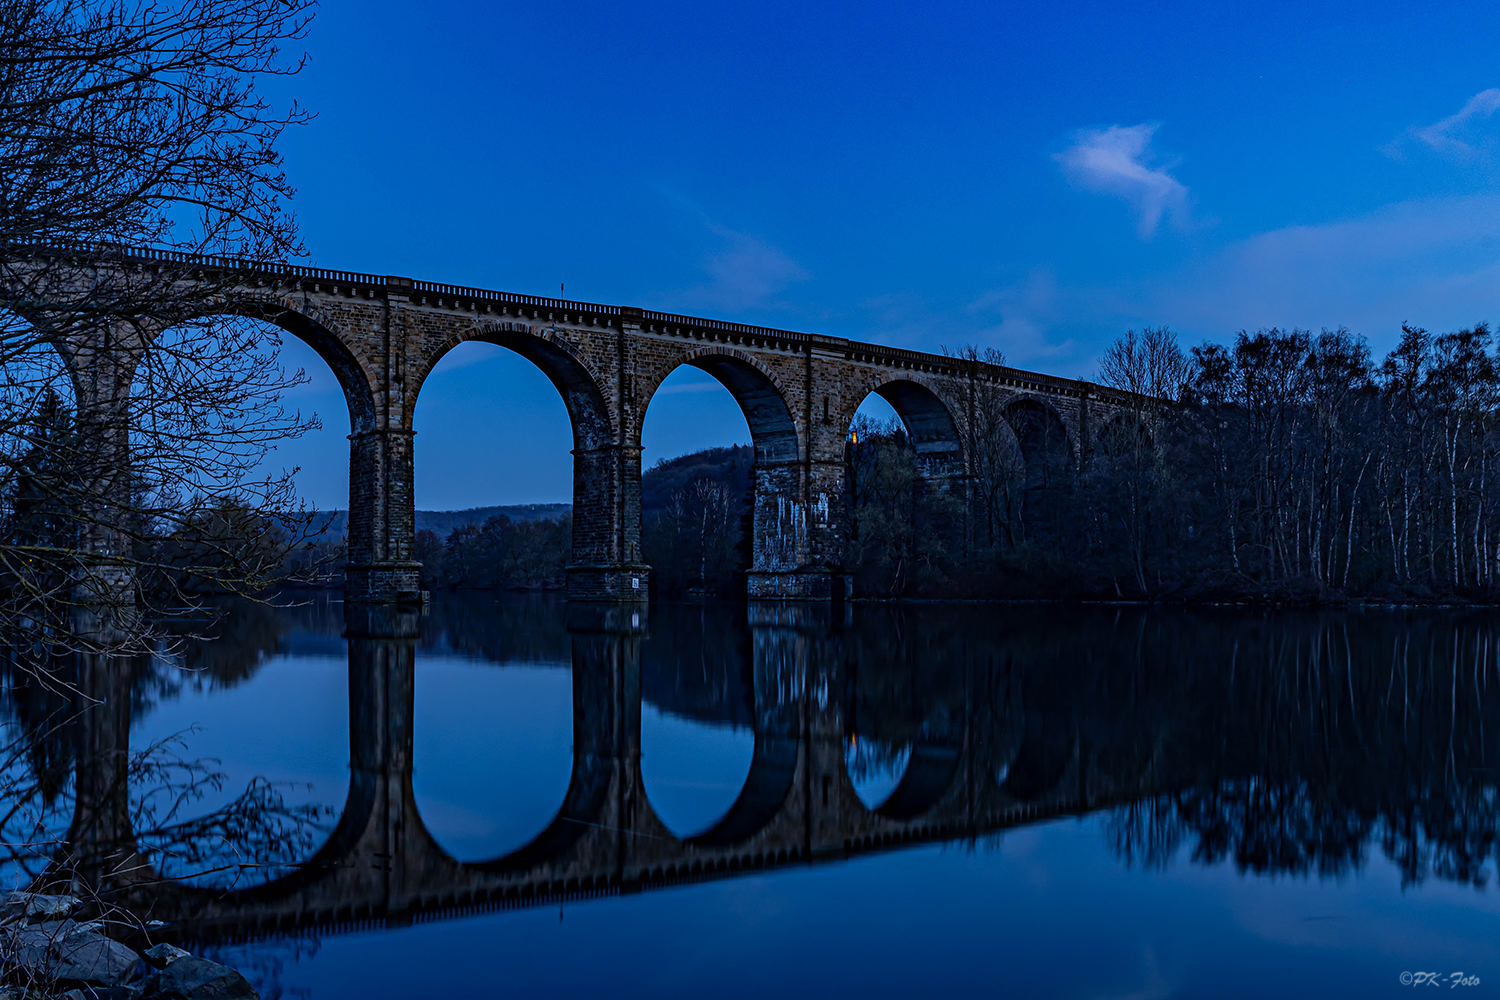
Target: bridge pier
[(607, 563), (941, 504), (799, 531), (101, 361), (382, 518)]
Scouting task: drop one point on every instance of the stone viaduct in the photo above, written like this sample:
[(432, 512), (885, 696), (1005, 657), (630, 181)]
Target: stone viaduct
[(969, 776), (382, 337)]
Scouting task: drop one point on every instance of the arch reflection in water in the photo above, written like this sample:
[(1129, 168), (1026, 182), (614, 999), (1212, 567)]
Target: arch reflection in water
[(255, 723), (697, 716), (492, 751), (875, 768), (692, 770)]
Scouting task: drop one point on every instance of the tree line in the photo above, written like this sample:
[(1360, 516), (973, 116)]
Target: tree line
[(1287, 465)]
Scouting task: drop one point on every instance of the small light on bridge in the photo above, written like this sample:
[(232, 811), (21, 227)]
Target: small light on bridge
[(854, 437)]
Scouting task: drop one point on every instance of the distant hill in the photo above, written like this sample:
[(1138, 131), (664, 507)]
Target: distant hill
[(730, 466), (443, 522)]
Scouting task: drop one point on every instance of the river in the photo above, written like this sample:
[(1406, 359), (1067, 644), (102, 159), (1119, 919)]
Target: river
[(505, 796)]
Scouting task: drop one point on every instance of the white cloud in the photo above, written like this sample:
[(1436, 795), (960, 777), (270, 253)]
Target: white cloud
[(1114, 161), (1457, 136), (746, 272)]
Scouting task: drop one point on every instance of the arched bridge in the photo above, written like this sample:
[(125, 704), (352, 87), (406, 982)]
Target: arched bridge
[(383, 335)]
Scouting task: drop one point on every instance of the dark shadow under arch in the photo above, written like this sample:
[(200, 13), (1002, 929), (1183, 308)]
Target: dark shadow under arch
[(929, 425), (772, 428)]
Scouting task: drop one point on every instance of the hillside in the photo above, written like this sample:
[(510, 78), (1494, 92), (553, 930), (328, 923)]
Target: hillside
[(443, 522), (731, 466)]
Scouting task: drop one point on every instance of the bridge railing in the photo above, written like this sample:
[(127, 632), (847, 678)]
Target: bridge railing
[(854, 349), (231, 265), (725, 326), (511, 298)]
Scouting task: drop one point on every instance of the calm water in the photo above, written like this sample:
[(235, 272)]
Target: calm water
[(928, 801)]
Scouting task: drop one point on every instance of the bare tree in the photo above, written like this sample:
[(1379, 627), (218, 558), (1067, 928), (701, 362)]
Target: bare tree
[(134, 407), (997, 472), (1150, 364)]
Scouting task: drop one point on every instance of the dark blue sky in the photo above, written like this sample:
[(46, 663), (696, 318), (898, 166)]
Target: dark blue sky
[(1037, 178)]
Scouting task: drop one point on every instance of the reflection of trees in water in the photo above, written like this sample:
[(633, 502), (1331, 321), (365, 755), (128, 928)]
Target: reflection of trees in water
[(76, 800), (906, 676), (698, 663), (868, 759), (256, 837), (1289, 743), (1314, 739), (1447, 832), (527, 628)]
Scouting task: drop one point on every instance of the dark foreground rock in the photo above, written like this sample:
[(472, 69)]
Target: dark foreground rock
[(189, 977), (67, 951), (40, 943)]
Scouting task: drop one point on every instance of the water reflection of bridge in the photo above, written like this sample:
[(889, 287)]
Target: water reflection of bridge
[(797, 804), (1288, 747)]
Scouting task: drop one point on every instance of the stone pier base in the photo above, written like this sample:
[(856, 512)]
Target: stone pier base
[(383, 583), (622, 582), (798, 585)]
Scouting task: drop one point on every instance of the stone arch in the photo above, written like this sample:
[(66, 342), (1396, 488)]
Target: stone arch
[(1045, 444), (297, 317), (761, 397), (304, 321), (795, 518), (581, 387), (605, 560), (929, 422), (328, 341)]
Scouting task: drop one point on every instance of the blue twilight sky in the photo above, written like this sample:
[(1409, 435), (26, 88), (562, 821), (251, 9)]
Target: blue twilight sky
[(1036, 178)]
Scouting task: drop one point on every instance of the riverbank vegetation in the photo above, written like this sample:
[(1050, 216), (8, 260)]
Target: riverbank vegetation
[(1286, 466)]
